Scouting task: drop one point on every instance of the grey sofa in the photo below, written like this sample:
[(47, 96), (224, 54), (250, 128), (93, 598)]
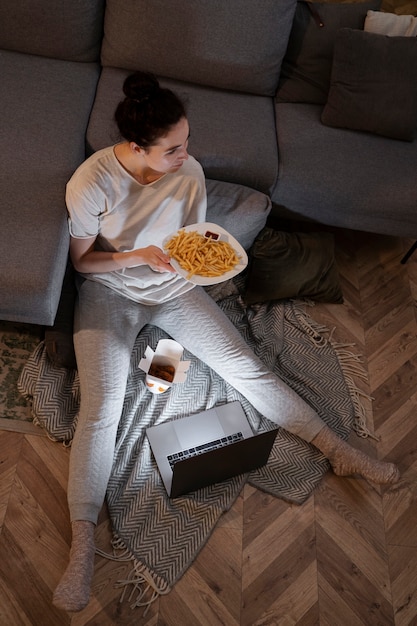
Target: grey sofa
[(49, 68), (62, 66)]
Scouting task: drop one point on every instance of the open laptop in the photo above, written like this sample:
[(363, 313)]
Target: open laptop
[(207, 448)]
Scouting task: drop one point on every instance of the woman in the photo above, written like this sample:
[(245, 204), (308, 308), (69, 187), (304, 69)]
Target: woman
[(122, 203)]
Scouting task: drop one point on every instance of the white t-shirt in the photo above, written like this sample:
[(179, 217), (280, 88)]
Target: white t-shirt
[(106, 202)]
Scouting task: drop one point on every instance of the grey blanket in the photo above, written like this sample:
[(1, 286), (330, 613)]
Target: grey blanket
[(161, 536)]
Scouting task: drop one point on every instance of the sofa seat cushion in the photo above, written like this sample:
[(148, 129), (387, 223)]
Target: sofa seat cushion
[(236, 45), (44, 109), (344, 178), (232, 134)]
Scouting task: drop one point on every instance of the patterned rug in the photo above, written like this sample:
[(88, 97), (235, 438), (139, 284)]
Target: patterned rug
[(17, 342), (162, 537)]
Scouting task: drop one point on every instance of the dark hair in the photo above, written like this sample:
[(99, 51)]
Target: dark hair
[(148, 111)]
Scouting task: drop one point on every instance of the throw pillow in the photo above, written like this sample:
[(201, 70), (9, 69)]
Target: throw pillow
[(306, 67), (240, 210), (293, 265), (373, 84), (391, 24)]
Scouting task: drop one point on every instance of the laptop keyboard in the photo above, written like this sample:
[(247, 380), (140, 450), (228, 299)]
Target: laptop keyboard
[(205, 447)]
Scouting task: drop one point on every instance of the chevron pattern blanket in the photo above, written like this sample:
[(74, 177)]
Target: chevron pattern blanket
[(163, 537)]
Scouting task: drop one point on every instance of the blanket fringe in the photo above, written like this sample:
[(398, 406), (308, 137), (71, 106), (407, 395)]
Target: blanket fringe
[(37, 422), (350, 363), (146, 585)]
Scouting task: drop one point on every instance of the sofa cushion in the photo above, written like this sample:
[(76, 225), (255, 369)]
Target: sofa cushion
[(366, 96), (391, 24), (344, 178), (240, 210), (306, 68), (293, 265), (44, 110), (236, 45), (232, 134), (60, 29)]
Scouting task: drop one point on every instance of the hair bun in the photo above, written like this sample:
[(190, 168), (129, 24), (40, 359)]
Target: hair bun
[(140, 86), (145, 122)]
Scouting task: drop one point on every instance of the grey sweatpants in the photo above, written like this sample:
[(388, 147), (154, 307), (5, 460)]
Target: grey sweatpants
[(106, 327)]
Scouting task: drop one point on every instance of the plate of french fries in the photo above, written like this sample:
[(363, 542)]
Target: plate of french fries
[(205, 254)]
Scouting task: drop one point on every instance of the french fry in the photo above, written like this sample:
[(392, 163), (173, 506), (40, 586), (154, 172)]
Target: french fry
[(204, 256)]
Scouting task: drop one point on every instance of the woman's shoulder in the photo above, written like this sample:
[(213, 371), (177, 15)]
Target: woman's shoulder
[(94, 165)]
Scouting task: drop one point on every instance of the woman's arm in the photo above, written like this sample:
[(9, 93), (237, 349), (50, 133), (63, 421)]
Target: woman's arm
[(86, 259)]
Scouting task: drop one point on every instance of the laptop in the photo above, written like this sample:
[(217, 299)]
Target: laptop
[(207, 448)]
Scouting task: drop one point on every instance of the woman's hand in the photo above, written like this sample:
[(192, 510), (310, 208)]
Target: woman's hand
[(156, 258)]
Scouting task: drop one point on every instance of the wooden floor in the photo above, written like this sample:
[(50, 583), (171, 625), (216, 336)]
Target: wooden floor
[(347, 557)]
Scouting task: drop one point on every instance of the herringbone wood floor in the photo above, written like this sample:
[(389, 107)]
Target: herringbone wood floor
[(347, 557)]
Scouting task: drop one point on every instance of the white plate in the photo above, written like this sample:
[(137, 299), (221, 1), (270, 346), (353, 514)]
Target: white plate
[(202, 229)]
